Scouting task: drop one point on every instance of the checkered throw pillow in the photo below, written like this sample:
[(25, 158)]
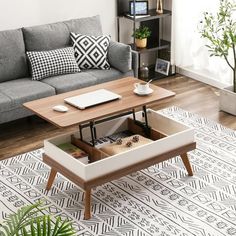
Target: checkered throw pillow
[(54, 62), (90, 51)]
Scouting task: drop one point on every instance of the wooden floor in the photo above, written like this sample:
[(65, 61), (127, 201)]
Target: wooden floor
[(24, 135)]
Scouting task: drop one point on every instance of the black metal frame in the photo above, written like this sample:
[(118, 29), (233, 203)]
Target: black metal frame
[(92, 124), (134, 24)]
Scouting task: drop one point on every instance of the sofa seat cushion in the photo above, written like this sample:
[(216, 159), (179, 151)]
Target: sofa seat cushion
[(65, 83), (13, 64), (23, 90), (14, 114), (5, 102), (108, 75)]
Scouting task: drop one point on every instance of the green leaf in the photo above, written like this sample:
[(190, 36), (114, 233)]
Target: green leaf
[(38, 227), (142, 32), (24, 232), (56, 226), (220, 31), (32, 228), (6, 229), (45, 226), (49, 224), (26, 222)]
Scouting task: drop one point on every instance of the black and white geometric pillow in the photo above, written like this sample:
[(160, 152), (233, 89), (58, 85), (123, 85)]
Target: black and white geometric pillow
[(90, 51), (54, 62)]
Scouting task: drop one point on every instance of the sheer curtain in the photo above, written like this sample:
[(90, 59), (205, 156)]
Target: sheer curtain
[(188, 50)]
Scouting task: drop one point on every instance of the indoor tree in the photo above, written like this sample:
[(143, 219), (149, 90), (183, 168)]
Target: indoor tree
[(220, 32)]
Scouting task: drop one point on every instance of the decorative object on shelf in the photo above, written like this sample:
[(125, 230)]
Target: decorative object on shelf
[(159, 7), (220, 30), (129, 144), (135, 138), (141, 34), (27, 221), (162, 66), (144, 72), (141, 8), (119, 141)]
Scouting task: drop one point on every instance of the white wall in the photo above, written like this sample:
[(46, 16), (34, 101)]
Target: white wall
[(18, 13)]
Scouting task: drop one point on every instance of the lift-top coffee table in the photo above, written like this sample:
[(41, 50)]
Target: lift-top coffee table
[(168, 138)]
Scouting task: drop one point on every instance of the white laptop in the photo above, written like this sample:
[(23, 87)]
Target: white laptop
[(92, 98)]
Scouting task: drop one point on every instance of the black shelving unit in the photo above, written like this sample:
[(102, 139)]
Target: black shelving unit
[(151, 15), (155, 43), (163, 44)]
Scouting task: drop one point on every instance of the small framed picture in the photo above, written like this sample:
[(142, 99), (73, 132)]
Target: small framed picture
[(162, 66), (141, 8)]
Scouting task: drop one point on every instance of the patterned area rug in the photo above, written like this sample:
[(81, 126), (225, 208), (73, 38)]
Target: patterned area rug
[(160, 201)]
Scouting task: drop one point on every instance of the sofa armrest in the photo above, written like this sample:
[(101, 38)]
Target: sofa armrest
[(120, 56), (135, 62)]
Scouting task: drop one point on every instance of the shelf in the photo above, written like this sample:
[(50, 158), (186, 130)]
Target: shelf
[(155, 44), (151, 47), (155, 75), (152, 15)]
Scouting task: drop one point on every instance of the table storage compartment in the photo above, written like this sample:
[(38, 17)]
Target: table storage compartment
[(166, 135)]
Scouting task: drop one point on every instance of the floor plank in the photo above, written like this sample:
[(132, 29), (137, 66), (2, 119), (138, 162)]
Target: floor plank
[(25, 135)]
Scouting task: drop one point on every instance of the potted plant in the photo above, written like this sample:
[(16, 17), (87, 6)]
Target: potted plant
[(27, 221), (220, 32), (141, 34)]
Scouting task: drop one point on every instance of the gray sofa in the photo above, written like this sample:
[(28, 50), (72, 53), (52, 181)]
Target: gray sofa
[(16, 85)]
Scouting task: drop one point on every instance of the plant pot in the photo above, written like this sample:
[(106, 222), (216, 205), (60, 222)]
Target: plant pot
[(228, 100), (141, 43)]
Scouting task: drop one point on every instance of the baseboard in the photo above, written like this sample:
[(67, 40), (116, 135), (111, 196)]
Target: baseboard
[(200, 77)]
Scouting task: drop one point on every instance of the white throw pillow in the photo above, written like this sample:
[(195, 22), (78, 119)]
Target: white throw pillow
[(90, 51), (54, 62)]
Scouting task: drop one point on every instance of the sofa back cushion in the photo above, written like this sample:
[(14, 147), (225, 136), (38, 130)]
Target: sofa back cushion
[(13, 63), (87, 26), (46, 37), (57, 35)]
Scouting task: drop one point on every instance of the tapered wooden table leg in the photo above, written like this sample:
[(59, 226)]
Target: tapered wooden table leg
[(87, 204), (51, 179), (187, 164)]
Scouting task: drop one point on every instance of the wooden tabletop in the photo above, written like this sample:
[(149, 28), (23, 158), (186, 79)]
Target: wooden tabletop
[(124, 87)]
